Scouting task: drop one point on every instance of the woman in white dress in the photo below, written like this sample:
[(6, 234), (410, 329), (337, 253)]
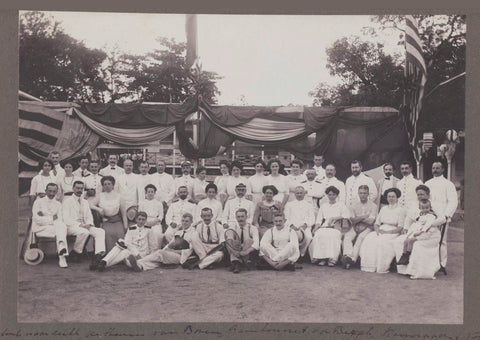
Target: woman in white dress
[(377, 252), (65, 182), (236, 169), (221, 181), (279, 181), (327, 239), (258, 181), (40, 181), (209, 202), (154, 210), (107, 204), (199, 184), (295, 177)]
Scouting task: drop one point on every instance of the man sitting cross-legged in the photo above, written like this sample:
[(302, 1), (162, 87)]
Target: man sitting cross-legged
[(242, 242), (47, 221), (207, 240), (139, 241), (172, 253), (279, 245)]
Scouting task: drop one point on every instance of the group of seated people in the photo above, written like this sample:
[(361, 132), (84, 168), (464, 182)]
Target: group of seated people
[(266, 221)]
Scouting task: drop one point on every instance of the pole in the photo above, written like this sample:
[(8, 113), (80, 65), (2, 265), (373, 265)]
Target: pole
[(449, 171), (174, 149)]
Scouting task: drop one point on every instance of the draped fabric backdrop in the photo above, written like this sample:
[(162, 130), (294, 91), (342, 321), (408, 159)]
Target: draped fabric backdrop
[(373, 135)]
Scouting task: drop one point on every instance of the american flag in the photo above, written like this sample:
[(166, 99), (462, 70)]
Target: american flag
[(415, 78)]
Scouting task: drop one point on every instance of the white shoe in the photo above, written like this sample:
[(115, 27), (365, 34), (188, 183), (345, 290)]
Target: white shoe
[(62, 261)]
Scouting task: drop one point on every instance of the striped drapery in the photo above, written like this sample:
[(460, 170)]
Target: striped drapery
[(127, 136), (43, 128)]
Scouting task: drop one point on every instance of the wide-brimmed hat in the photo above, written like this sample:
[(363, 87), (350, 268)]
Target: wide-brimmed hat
[(132, 213), (33, 256)]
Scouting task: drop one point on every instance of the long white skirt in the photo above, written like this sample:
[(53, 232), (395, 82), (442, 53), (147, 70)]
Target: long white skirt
[(377, 251), (326, 244), (424, 260)]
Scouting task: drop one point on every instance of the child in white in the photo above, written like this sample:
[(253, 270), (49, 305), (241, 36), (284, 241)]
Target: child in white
[(418, 230)]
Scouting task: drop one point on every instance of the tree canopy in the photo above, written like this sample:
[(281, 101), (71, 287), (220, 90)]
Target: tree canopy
[(368, 76), (55, 66)]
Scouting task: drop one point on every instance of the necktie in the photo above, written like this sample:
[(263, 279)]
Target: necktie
[(83, 173), (209, 235), (241, 235), (112, 168)]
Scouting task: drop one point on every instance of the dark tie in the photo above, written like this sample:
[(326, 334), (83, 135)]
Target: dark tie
[(209, 235), (83, 173), (241, 235), (112, 168)]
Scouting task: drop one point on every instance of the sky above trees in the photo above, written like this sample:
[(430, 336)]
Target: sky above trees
[(263, 60)]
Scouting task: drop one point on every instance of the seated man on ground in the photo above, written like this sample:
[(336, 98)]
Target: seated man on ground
[(300, 217), (47, 221), (279, 245), (242, 242), (363, 215), (138, 243), (172, 253), (207, 241), (79, 220)]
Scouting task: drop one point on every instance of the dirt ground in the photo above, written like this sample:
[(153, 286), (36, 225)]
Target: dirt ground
[(47, 293)]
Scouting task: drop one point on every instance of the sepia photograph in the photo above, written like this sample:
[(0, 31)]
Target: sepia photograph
[(247, 168)]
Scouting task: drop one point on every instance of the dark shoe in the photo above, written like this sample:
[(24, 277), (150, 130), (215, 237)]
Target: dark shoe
[(133, 262), (347, 262), (95, 261), (290, 267), (101, 266), (301, 259), (191, 262), (236, 267), (443, 270), (74, 257), (404, 260)]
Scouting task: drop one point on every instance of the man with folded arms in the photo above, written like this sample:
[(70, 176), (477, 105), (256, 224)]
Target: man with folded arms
[(79, 220), (47, 221), (208, 235), (279, 245), (243, 244), (172, 253), (300, 217)]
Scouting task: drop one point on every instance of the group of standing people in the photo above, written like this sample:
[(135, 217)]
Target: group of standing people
[(264, 221)]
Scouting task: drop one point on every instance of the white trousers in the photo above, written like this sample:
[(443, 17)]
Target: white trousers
[(278, 254), (117, 255), (201, 249), (350, 248), (165, 256), (82, 234), (57, 230), (308, 237), (158, 236)]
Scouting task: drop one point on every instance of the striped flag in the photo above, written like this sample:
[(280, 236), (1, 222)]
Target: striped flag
[(192, 48), (415, 79), (44, 127)]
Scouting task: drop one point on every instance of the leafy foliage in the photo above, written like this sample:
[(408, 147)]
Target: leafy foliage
[(55, 66), (369, 76)]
